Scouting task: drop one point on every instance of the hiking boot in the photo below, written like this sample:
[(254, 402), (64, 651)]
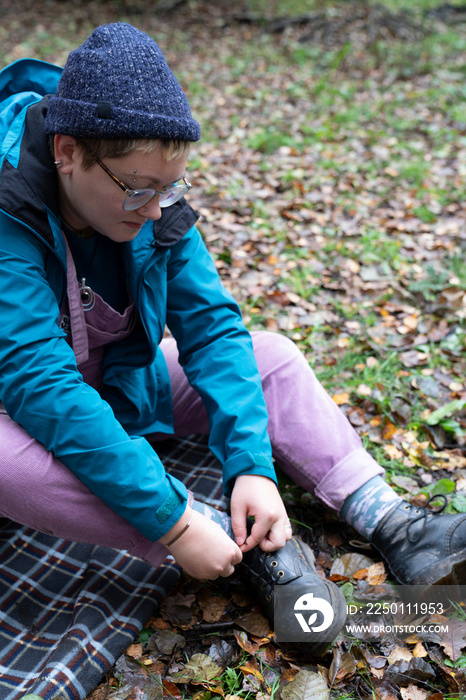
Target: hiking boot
[(422, 547), (306, 610)]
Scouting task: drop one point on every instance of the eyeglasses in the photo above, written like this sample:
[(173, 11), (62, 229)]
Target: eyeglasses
[(138, 198)]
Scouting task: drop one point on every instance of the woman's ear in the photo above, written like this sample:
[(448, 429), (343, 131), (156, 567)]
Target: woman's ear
[(66, 152)]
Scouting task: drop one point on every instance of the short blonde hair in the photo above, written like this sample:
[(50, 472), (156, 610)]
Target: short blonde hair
[(117, 148)]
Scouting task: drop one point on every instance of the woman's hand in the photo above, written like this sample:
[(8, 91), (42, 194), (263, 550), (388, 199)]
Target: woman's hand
[(258, 496), (204, 550)]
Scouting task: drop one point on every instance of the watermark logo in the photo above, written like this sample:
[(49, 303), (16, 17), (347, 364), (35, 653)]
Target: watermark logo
[(308, 604)]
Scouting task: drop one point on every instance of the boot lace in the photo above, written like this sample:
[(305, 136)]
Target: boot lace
[(423, 514)]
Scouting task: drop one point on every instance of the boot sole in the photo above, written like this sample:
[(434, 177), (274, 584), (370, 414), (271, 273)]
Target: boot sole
[(450, 572)]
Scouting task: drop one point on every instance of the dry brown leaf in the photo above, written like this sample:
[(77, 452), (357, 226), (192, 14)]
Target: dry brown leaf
[(250, 668), (389, 430), (172, 690), (306, 685), (411, 322), (334, 540), (361, 574), (343, 666), (341, 399), (454, 639), (347, 564), (399, 653), (376, 574), (255, 623), (250, 646), (393, 452), (159, 624), (419, 650), (212, 606), (413, 692), (135, 651), (337, 578), (178, 609), (199, 669)]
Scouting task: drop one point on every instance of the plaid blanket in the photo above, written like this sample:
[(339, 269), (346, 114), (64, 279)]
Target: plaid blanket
[(68, 610)]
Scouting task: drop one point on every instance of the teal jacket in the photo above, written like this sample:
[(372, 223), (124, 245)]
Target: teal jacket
[(171, 276)]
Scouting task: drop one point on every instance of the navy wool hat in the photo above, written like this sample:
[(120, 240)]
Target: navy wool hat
[(117, 84)]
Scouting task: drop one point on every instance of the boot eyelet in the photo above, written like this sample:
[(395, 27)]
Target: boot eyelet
[(274, 563), (280, 573), (268, 597), (268, 555), (406, 507)]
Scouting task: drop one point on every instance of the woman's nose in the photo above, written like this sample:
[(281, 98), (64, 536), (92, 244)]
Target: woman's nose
[(151, 210)]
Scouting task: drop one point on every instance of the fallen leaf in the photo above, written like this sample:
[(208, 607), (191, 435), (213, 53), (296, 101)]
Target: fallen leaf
[(178, 609), (165, 641), (348, 564), (389, 430), (343, 666), (334, 540), (250, 668), (255, 623), (403, 672), (199, 669), (407, 483), (419, 651), (222, 652), (341, 399), (361, 574), (453, 637), (172, 690), (399, 653), (376, 574), (393, 452), (306, 685), (212, 606), (413, 692), (135, 651), (250, 646)]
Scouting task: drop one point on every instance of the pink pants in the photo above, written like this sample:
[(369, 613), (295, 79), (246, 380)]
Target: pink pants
[(312, 441)]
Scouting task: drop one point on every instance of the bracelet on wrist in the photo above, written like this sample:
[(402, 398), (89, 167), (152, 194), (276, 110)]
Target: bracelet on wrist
[(177, 537)]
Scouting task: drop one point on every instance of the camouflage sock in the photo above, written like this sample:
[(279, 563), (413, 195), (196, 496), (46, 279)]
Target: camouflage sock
[(218, 516), (366, 507)]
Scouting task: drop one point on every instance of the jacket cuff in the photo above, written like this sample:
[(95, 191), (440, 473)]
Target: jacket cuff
[(247, 463), (171, 509)]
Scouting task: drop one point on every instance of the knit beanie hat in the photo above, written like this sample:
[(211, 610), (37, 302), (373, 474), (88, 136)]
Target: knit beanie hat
[(117, 84)]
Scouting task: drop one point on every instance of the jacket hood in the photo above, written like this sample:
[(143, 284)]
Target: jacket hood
[(27, 168), (27, 76)]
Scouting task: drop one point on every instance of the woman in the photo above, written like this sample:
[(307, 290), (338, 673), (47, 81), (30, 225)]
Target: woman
[(99, 250)]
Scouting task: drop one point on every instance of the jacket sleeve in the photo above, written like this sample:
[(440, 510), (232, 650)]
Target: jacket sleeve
[(215, 350), (42, 389)]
